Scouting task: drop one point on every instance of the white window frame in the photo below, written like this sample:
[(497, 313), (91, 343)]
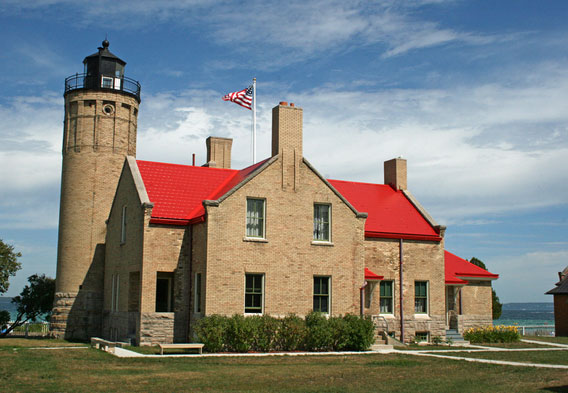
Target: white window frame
[(197, 293), (391, 297), (329, 291), (263, 227), (328, 234), (107, 79), (262, 289), (123, 225), (427, 298)]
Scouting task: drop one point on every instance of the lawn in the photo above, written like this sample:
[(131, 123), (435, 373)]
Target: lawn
[(89, 370), (545, 357)]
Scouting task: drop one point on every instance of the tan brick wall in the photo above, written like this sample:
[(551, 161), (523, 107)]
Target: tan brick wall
[(288, 259), (219, 152), (422, 261), (123, 260), (94, 146)]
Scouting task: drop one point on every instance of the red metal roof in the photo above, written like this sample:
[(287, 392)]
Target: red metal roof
[(178, 191), (457, 269), (391, 214), (369, 275)]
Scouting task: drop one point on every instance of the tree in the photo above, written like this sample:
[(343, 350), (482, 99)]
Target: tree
[(497, 306), (9, 265), (35, 300)]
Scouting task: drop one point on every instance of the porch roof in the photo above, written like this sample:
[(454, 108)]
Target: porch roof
[(458, 269), (369, 275)]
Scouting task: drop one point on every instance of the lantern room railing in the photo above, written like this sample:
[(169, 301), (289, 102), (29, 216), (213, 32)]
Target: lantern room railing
[(102, 82)]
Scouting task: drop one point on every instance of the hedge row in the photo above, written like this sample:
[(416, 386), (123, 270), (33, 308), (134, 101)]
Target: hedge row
[(292, 333), (492, 334)]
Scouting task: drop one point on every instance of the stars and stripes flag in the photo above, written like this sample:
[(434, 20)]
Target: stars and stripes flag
[(242, 98)]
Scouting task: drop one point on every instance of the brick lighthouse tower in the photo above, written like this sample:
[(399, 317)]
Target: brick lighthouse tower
[(101, 108)]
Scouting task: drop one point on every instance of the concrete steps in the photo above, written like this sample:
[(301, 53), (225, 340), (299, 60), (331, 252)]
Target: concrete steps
[(457, 339)]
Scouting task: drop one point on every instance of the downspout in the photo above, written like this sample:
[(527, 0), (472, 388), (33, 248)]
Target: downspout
[(401, 260), (191, 283), (362, 297)]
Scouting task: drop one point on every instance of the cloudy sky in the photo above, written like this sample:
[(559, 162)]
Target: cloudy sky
[(471, 93)]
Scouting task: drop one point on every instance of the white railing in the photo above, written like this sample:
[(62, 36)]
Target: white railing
[(537, 330)]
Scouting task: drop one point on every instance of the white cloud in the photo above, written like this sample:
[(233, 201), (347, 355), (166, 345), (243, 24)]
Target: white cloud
[(286, 32)]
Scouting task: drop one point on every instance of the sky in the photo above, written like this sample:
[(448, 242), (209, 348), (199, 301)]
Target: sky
[(471, 93)]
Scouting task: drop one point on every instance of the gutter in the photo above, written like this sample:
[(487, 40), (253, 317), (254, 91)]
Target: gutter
[(362, 297)]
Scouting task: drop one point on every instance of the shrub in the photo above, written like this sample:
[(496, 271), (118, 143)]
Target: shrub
[(291, 333), (265, 332), (211, 332), (359, 333), (319, 335), (492, 334), (436, 340), (240, 333)]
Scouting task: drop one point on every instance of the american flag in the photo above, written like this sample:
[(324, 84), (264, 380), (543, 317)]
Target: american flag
[(243, 97)]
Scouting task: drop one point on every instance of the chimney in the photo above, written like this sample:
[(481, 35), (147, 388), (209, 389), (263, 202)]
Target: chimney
[(218, 152), (395, 173), (287, 143), (287, 128)]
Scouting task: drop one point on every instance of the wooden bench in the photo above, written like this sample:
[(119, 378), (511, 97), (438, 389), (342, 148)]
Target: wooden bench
[(105, 345), (197, 346)]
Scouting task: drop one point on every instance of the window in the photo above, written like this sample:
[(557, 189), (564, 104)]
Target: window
[(420, 337), (421, 297), (197, 293), (123, 226), (164, 292), (321, 294), (321, 222), (386, 290), (114, 292), (106, 82), (255, 217), (253, 293)]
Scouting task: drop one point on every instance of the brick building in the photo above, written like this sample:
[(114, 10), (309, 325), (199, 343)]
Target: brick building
[(181, 242), (560, 294)]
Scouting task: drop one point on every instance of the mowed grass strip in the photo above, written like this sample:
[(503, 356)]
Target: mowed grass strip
[(90, 370), (542, 357)]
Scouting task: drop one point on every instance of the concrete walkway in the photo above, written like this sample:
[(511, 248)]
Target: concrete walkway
[(124, 353)]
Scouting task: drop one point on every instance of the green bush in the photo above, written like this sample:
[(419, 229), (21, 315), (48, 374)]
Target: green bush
[(319, 335), (264, 333), (359, 334), (291, 333), (240, 333), (211, 332), (492, 334)]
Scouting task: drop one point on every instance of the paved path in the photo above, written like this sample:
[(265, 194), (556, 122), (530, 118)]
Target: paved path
[(124, 353)]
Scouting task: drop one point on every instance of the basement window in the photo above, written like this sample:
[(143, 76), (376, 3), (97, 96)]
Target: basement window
[(165, 292)]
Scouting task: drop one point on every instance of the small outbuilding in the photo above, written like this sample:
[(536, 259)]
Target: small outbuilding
[(560, 294)]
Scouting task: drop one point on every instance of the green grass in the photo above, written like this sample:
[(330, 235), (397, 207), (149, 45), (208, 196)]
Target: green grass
[(544, 357), (557, 340), (89, 370)]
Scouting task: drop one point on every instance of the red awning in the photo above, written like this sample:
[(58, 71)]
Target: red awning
[(369, 275)]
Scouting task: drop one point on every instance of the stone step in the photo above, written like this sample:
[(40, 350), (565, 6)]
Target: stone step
[(381, 347)]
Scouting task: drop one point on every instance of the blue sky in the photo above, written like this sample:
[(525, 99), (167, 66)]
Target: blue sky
[(471, 93)]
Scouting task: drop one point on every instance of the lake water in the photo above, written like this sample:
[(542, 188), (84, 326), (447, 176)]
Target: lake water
[(526, 314)]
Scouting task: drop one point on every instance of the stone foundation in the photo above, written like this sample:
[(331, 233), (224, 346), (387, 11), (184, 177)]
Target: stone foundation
[(76, 316)]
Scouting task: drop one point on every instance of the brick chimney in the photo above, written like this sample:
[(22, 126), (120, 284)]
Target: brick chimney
[(395, 173), (287, 141), (218, 152)]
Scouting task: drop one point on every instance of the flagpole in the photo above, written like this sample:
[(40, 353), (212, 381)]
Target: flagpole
[(254, 120)]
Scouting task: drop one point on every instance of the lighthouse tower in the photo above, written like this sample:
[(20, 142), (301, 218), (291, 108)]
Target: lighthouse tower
[(101, 108)]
